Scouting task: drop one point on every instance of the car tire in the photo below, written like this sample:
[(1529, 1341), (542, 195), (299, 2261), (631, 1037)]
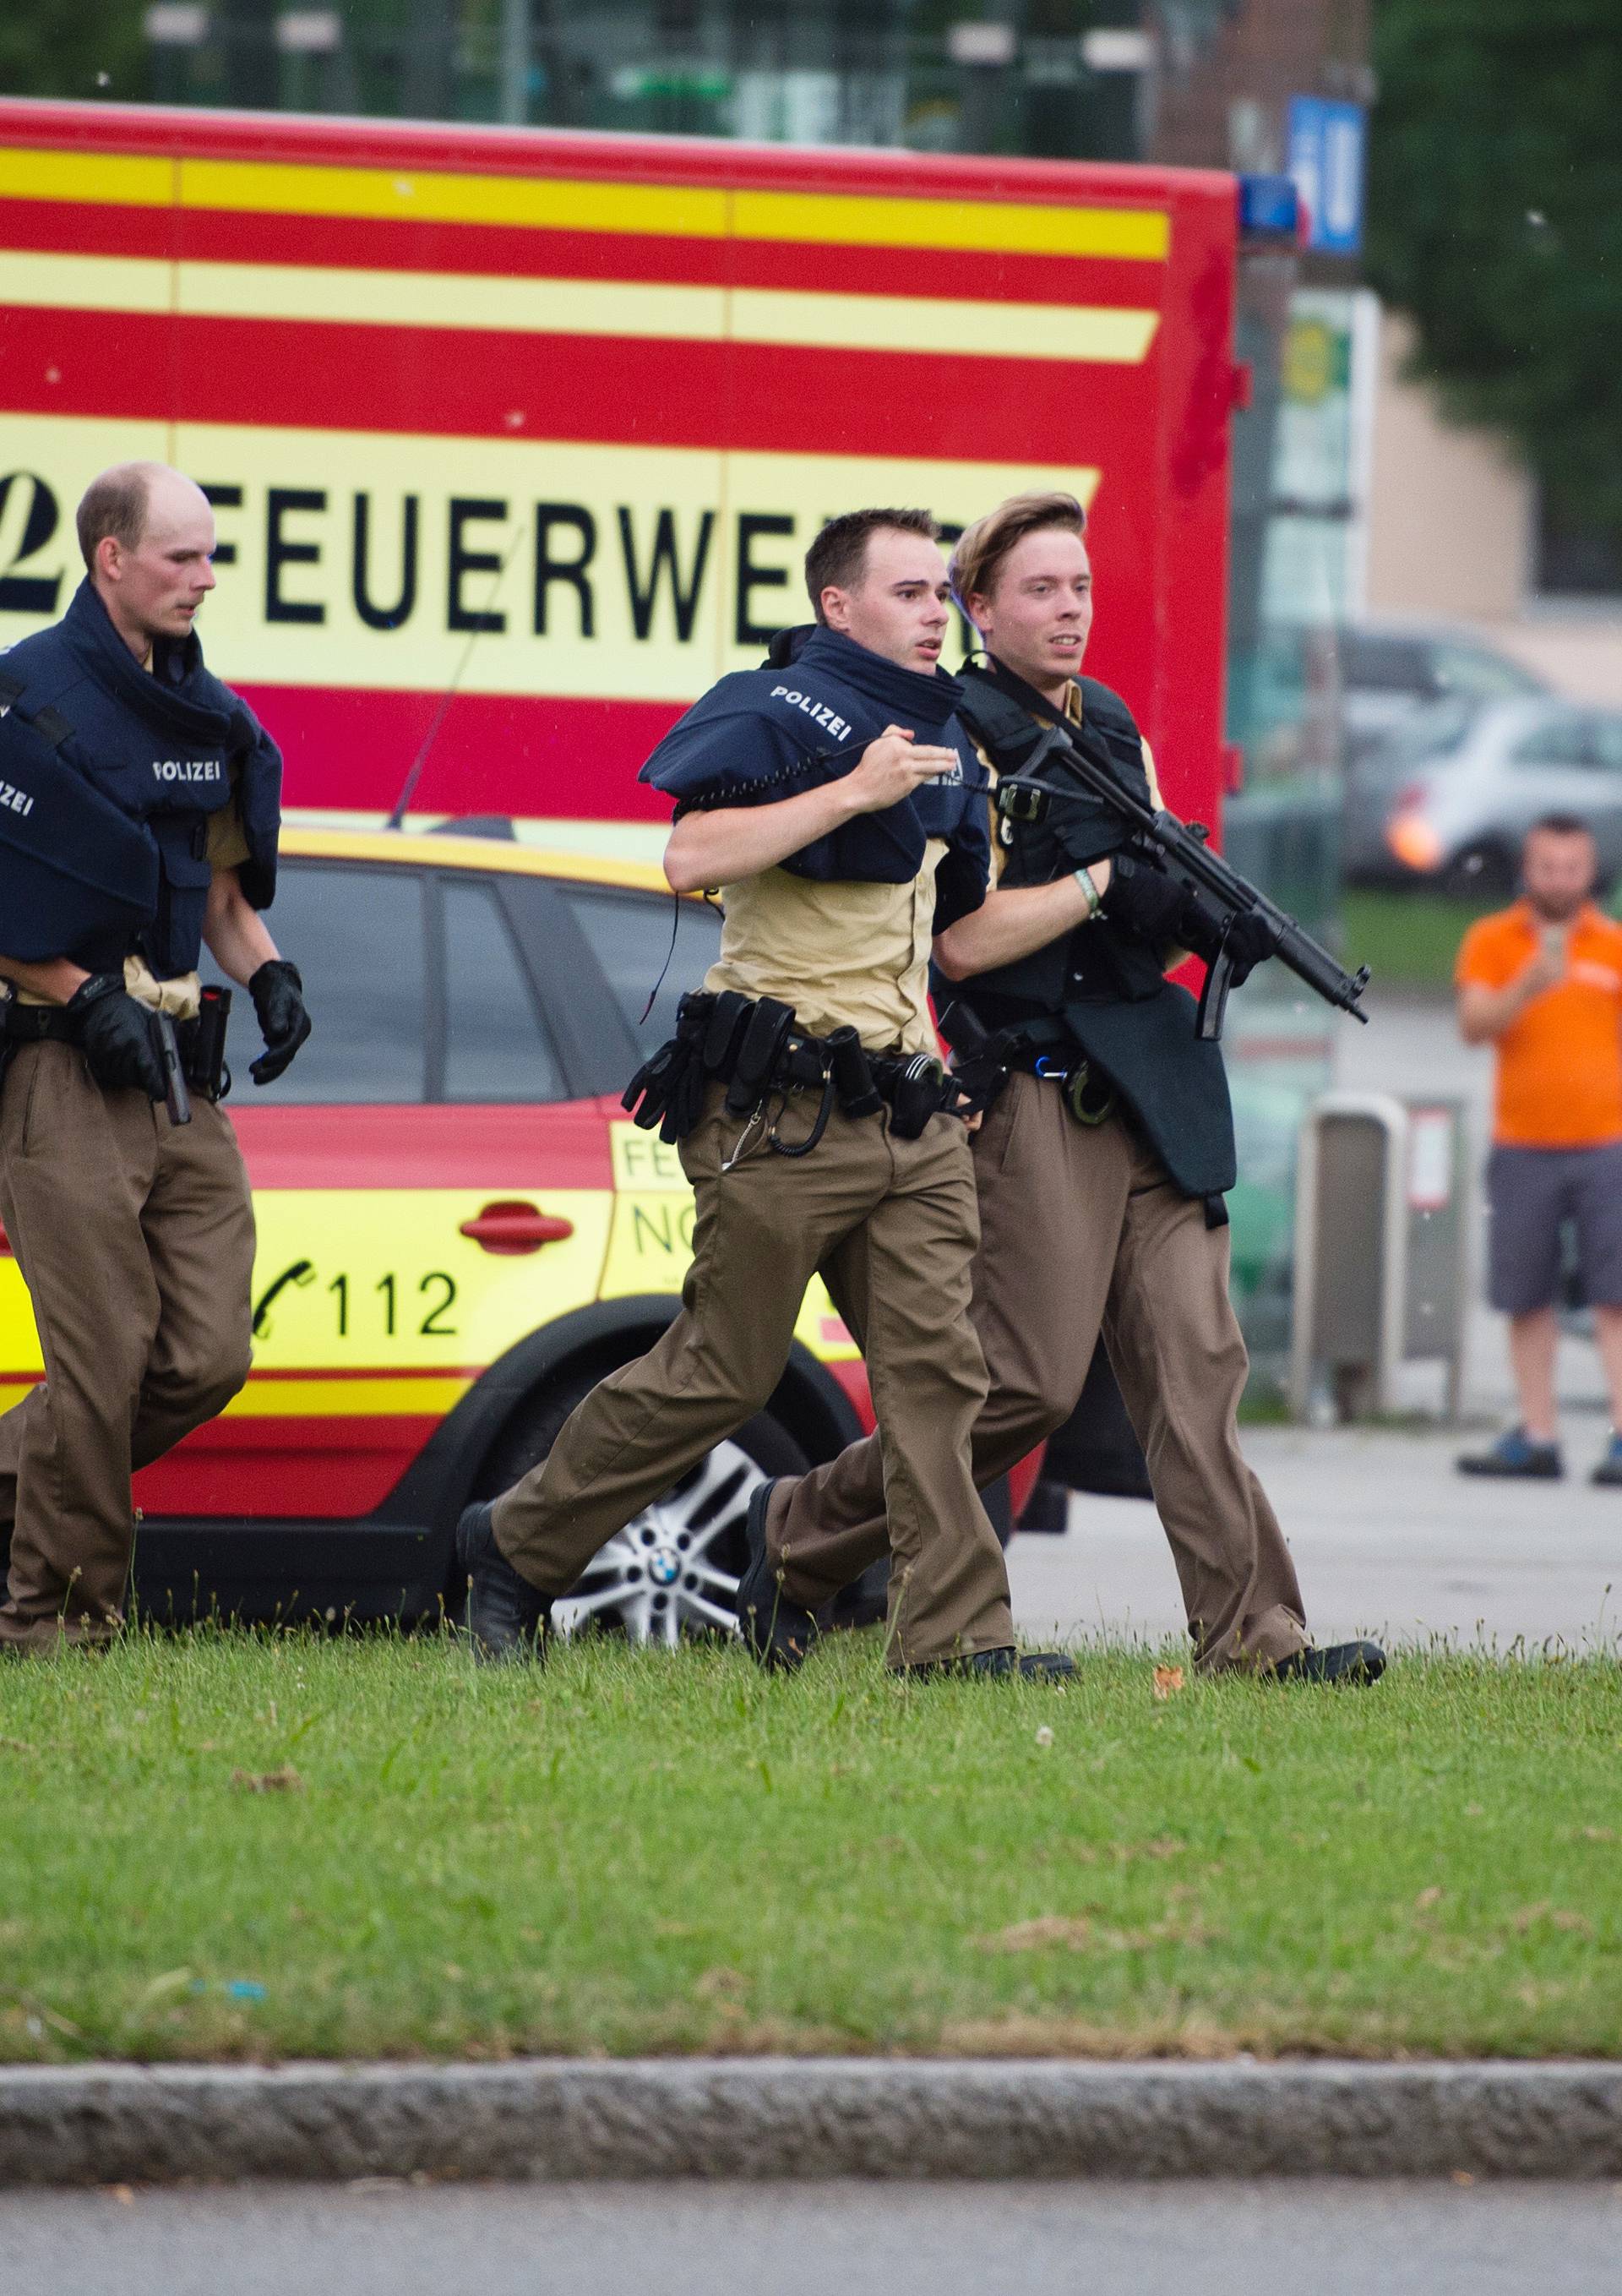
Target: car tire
[(1485, 871), (672, 1573)]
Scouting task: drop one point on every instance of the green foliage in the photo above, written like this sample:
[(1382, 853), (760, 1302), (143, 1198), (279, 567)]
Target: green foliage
[(94, 48), (1409, 941), (1495, 220), (224, 1845)]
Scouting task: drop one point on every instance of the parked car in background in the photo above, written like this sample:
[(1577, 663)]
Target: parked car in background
[(1445, 801), (1323, 696), (1390, 671)]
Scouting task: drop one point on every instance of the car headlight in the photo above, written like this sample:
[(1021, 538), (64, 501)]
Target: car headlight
[(1414, 843)]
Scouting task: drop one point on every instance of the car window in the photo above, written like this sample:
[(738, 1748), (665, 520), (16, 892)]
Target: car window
[(1385, 665), (356, 937), (630, 938), (496, 1048), (1431, 735), (1469, 669), (1605, 735), (1555, 742)]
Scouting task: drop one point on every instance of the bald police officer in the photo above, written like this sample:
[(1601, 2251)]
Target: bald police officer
[(146, 824)]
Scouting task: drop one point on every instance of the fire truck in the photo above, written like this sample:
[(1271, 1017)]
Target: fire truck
[(516, 439)]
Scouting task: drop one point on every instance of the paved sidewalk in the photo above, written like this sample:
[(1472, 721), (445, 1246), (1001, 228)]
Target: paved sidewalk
[(1387, 1538)]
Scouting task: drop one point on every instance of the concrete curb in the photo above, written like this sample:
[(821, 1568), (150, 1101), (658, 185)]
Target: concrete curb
[(791, 2118)]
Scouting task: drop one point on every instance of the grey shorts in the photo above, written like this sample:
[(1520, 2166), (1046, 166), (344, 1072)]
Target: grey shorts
[(1531, 1193)]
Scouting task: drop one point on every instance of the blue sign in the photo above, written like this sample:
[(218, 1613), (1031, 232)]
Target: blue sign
[(1327, 146)]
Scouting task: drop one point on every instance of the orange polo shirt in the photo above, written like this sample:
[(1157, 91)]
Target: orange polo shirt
[(1559, 1064)]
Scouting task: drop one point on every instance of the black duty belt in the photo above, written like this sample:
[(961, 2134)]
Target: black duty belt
[(1042, 1047), (752, 1046), (1089, 1094), (201, 1042)]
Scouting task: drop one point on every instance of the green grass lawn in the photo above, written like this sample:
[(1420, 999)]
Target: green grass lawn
[(639, 1851), (1409, 941)]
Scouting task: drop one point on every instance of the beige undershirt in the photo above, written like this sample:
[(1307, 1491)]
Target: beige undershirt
[(842, 955)]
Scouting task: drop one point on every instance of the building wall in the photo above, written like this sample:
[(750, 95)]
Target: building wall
[(1450, 521), (1450, 513)]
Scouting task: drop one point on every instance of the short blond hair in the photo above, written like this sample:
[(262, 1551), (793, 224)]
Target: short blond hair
[(982, 547)]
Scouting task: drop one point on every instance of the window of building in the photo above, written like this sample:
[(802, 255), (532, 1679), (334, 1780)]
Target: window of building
[(1577, 559)]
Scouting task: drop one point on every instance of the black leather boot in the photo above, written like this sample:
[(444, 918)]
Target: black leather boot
[(1357, 1662), (507, 1617), (1033, 1665), (779, 1633)]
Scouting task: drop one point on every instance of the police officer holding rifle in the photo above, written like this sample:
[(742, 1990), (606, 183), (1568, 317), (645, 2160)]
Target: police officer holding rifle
[(140, 807), (1105, 1158), (835, 801)]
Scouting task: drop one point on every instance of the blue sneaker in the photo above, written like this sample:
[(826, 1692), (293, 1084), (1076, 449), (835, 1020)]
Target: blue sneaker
[(1609, 1469), (1516, 1456)]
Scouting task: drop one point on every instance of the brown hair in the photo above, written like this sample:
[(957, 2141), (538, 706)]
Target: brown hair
[(982, 547), (837, 558), (115, 504)]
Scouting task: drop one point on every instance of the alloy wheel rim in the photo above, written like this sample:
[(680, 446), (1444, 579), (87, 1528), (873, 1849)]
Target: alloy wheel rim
[(664, 1577)]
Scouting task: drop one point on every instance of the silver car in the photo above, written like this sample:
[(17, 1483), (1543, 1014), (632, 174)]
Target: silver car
[(1445, 800)]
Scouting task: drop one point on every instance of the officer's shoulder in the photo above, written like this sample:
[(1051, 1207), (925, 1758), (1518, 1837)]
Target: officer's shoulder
[(1104, 705), (40, 669)]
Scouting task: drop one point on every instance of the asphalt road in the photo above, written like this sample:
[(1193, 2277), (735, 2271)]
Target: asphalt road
[(1334, 2238), (1387, 1537)]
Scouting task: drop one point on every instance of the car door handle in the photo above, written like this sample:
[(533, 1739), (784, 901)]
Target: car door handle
[(512, 1228)]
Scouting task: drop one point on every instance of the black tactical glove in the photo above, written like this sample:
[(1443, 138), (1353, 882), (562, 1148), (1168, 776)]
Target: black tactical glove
[(277, 990), (1146, 901), (1250, 941), (1162, 909), (115, 1032)]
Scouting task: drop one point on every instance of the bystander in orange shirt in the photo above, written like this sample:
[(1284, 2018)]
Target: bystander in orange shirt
[(1559, 1064)]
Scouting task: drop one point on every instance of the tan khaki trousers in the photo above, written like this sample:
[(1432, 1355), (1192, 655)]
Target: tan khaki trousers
[(136, 1239), (1081, 1225), (892, 1226)]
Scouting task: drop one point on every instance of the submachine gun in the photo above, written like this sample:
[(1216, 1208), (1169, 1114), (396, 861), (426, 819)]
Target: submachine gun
[(1073, 770)]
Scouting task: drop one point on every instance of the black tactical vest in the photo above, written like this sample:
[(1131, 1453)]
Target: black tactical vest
[(1103, 984), (168, 747)]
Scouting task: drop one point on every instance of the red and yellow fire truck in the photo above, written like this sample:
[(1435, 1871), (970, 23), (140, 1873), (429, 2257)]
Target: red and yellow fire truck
[(515, 442)]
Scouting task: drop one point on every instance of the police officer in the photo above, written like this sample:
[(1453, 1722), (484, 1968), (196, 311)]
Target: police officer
[(834, 799), (142, 821), (1102, 1164)]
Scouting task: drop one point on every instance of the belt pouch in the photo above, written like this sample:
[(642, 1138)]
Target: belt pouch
[(853, 1079), (763, 1040), (204, 1042)]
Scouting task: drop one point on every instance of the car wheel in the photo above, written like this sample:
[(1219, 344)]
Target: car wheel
[(1483, 872), (673, 1572)]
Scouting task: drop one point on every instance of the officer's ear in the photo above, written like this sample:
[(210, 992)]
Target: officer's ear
[(109, 558), (834, 604)]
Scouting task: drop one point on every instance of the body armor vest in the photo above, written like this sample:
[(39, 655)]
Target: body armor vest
[(760, 735), (166, 747), (78, 877), (1103, 984)]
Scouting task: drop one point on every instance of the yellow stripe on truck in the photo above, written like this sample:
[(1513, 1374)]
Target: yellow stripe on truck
[(557, 203), (347, 1398), (1087, 333)]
